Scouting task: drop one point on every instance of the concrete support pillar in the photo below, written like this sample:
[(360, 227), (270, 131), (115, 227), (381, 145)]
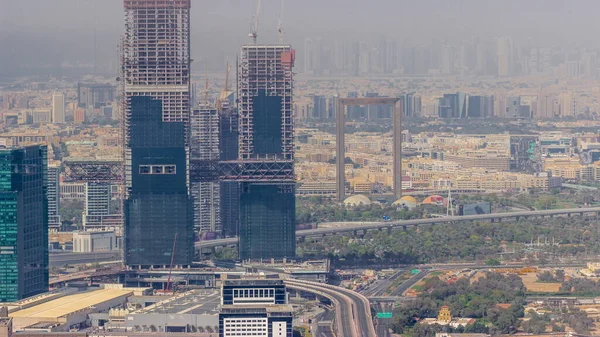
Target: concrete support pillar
[(340, 153)]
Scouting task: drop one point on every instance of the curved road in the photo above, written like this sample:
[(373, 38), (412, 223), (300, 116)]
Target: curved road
[(353, 311), (356, 227)]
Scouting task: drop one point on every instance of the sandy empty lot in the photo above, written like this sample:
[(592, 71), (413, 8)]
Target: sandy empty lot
[(530, 281)]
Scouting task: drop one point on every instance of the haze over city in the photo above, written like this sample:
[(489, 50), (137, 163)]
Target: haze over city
[(67, 29)]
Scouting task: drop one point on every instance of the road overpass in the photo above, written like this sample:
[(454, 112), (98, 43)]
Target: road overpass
[(353, 311), (356, 227)]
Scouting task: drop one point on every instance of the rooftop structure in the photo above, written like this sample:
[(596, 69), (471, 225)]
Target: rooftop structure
[(65, 309)]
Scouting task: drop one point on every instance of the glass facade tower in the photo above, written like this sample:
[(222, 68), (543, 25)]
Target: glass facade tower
[(158, 211), (23, 222)]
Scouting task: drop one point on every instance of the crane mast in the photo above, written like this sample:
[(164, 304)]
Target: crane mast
[(280, 24), (255, 21)]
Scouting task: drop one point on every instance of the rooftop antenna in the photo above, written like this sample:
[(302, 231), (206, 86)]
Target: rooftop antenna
[(450, 206), (280, 23), (255, 21)]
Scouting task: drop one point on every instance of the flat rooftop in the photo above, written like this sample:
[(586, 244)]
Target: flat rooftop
[(194, 302), (274, 309), (72, 303)]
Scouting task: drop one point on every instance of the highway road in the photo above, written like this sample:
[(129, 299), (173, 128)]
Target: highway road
[(361, 227), (64, 259), (353, 310)]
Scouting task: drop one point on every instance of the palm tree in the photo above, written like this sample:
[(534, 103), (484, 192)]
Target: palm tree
[(153, 328), (209, 329), (201, 329)]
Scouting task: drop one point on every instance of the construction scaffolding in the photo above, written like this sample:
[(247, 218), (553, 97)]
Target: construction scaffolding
[(98, 176), (266, 82), (155, 62), (242, 171)]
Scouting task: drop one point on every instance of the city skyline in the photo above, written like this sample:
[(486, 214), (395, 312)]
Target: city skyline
[(94, 39)]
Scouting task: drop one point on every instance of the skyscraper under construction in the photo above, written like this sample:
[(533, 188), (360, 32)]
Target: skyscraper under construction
[(266, 136), (155, 83)]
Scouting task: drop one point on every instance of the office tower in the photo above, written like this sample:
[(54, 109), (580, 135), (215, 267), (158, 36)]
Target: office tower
[(255, 307), (58, 108), (204, 145), (545, 107), (568, 105), (505, 56), (447, 61), (453, 106), (53, 192), (514, 108), (24, 220), (319, 109), (267, 209), (411, 105), (95, 94), (308, 56), (480, 106), (155, 79), (230, 190)]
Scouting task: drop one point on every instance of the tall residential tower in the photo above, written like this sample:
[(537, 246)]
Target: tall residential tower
[(155, 82)]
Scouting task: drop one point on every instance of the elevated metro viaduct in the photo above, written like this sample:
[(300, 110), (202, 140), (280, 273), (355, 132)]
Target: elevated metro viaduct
[(360, 228)]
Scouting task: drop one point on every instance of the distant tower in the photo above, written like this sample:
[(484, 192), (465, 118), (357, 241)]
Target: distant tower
[(58, 108), (204, 145), (53, 192), (505, 56)]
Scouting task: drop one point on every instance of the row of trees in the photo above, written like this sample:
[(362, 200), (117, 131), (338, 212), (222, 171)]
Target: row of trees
[(479, 299), (460, 241)]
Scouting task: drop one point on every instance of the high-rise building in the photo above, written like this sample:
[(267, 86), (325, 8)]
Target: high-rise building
[(98, 212), (505, 56), (58, 108), (267, 209), (480, 106), (546, 107), (204, 145), (94, 94), (53, 192), (453, 106), (155, 79), (24, 222), (319, 109), (230, 190), (568, 105), (158, 211), (514, 108)]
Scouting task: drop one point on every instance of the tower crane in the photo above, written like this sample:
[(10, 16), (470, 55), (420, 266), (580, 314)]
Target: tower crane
[(225, 92), (255, 21)]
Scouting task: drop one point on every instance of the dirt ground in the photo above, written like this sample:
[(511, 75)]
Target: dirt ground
[(530, 281)]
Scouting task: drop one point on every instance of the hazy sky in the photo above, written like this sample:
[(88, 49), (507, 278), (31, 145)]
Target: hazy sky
[(50, 31)]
